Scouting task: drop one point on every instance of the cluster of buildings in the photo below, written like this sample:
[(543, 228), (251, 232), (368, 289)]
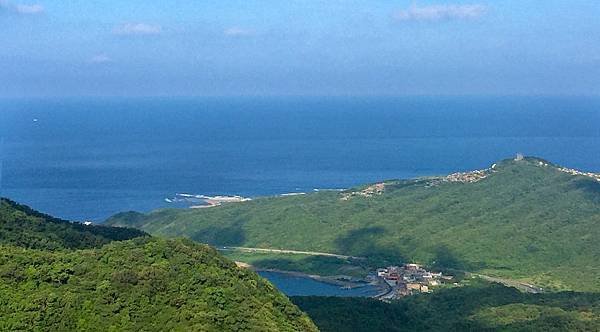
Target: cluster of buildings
[(467, 177), (571, 171), (372, 190), (594, 176), (409, 279), (463, 177)]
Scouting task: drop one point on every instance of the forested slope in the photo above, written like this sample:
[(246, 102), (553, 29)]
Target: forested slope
[(525, 219), (142, 284), (22, 226), (479, 307)]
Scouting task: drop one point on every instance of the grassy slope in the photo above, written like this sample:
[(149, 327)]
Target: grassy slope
[(143, 284), (479, 307), (524, 221)]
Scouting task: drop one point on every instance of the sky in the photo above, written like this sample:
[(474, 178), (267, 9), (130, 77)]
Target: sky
[(53, 48)]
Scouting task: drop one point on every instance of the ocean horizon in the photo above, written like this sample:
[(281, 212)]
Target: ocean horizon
[(89, 158)]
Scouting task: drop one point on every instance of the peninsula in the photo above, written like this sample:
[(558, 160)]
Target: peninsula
[(523, 219)]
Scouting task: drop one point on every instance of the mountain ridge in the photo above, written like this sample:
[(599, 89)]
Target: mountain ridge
[(57, 276), (26, 227), (527, 219)]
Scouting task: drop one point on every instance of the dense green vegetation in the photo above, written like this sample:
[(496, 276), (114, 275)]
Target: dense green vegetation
[(25, 227), (142, 284), (525, 221), (479, 307)]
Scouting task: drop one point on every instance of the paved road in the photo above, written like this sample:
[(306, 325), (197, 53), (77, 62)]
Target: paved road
[(287, 251), (387, 294)]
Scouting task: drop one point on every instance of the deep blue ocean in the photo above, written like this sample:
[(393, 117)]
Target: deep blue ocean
[(90, 158)]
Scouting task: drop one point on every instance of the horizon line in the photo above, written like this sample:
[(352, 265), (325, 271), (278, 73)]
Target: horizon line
[(267, 96)]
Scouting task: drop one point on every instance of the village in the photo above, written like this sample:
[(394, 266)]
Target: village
[(594, 176), (409, 279), (372, 190)]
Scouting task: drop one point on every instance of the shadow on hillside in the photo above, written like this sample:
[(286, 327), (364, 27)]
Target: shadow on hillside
[(225, 235), (590, 187), (444, 258), (326, 266), (366, 242)]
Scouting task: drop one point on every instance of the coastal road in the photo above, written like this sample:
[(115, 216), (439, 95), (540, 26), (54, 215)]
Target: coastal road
[(287, 251), (387, 294), (525, 287), (520, 285)]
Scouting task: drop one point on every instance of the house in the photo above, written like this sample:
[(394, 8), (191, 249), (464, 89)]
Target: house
[(393, 276), (411, 267), (402, 290), (409, 278), (413, 286)]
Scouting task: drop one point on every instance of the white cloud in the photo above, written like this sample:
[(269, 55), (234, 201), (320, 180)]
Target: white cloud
[(100, 58), (237, 32), (137, 29), (21, 9), (441, 12), (29, 9)]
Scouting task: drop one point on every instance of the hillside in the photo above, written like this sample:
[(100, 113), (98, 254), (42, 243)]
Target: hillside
[(142, 284), (480, 307), (22, 226), (524, 219)]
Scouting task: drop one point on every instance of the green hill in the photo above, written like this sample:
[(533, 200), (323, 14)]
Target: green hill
[(142, 284), (480, 307), (22, 226), (524, 219)]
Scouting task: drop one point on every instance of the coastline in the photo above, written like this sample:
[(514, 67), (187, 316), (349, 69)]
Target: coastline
[(331, 280)]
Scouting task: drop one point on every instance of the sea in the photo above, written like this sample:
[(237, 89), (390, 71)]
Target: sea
[(89, 158)]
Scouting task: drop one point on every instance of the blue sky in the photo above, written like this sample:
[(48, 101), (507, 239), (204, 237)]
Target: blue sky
[(298, 47)]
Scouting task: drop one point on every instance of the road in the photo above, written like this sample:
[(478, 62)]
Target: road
[(525, 287), (387, 294), (287, 251)]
